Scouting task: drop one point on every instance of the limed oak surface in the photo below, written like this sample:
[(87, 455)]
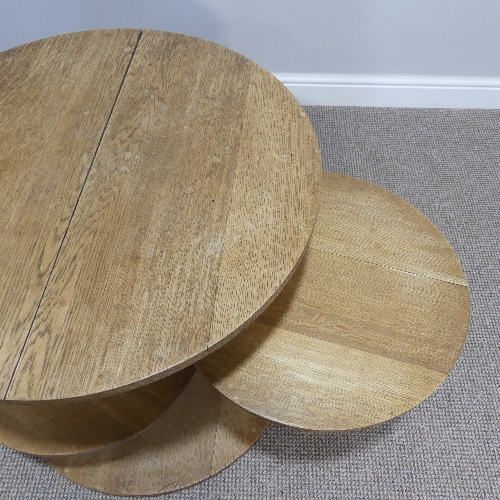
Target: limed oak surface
[(201, 434), (370, 325), (196, 210), (69, 427), (56, 96)]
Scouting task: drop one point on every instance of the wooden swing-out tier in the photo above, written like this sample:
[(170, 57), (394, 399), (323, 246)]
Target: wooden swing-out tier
[(371, 323)]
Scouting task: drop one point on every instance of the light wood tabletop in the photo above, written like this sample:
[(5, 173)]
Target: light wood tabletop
[(156, 193), (370, 324)]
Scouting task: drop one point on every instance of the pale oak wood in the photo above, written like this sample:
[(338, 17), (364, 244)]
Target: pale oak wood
[(201, 434), (369, 326), (55, 98), (197, 208), (365, 222), (69, 427)]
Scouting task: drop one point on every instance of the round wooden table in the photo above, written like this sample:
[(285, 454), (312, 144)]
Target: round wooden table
[(157, 191)]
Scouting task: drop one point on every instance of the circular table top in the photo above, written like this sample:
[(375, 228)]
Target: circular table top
[(156, 192), (370, 324)]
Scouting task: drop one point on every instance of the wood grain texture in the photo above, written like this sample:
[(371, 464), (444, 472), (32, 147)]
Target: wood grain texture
[(366, 222), (198, 206), (55, 98), (201, 434), (356, 337), (69, 427)]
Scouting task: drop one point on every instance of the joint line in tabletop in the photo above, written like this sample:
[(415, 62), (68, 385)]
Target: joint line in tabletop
[(71, 217), (452, 281)]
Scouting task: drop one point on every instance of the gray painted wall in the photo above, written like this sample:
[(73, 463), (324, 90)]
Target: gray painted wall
[(391, 37)]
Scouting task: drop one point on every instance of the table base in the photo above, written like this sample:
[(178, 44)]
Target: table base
[(198, 436), (69, 427)]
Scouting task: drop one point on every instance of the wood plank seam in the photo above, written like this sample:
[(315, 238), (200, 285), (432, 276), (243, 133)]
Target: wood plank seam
[(360, 349), (458, 281), (21, 352)]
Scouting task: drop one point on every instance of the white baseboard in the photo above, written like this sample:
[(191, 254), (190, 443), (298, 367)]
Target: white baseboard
[(393, 91)]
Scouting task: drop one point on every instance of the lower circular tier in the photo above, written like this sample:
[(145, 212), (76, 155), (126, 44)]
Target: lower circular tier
[(370, 324), (198, 436), (67, 427)]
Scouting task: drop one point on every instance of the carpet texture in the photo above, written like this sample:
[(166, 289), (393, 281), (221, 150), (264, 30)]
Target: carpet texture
[(447, 164)]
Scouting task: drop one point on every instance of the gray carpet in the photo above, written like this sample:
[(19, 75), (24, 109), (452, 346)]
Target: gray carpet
[(447, 163)]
